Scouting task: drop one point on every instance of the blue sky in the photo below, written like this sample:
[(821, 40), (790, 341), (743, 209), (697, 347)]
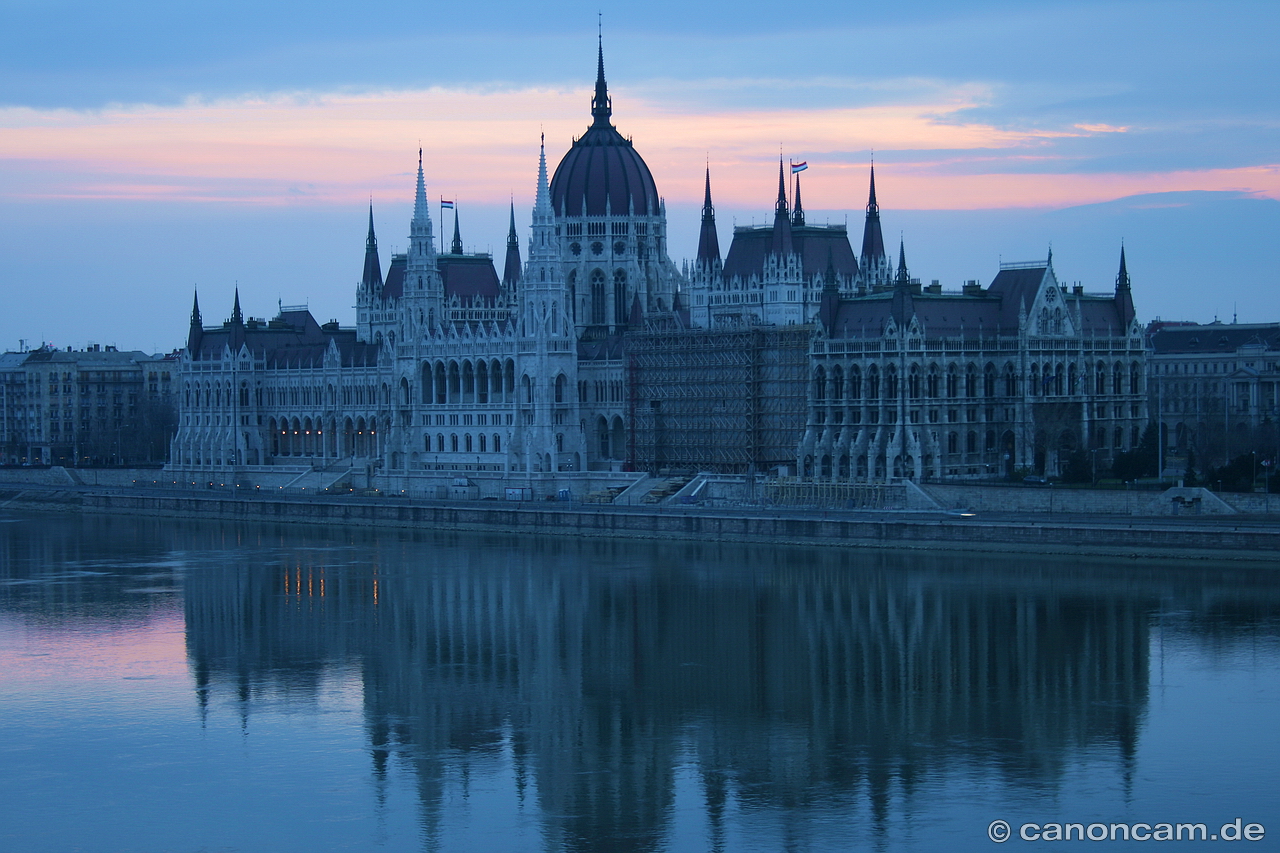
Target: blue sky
[(151, 148)]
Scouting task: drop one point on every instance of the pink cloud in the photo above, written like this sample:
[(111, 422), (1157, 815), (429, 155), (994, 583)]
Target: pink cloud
[(482, 147)]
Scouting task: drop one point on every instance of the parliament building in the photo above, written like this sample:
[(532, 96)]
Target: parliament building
[(594, 356)]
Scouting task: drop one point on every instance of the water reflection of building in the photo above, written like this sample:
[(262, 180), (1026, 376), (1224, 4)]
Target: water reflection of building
[(829, 678)]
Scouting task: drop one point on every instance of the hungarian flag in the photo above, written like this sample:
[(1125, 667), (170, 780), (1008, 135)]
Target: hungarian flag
[(446, 205), (799, 167)]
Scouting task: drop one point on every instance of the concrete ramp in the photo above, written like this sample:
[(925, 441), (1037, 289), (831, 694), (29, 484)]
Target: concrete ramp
[(1186, 501)]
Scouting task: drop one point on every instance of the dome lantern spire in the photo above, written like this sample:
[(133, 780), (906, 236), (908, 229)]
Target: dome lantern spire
[(601, 104)]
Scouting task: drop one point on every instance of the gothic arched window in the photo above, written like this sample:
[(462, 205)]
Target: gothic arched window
[(597, 297)]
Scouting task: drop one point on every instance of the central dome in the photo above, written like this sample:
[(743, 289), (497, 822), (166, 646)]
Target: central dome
[(602, 174)]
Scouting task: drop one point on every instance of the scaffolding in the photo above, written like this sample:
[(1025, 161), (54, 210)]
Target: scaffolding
[(730, 401)]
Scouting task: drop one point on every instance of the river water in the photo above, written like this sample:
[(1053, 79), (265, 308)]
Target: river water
[(205, 686)]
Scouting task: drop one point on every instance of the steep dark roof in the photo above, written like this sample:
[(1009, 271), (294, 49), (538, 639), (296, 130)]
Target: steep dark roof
[(1216, 338), (394, 286), (1016, 287), (293, 339), (813, 243), (602, 172), (469, 277)]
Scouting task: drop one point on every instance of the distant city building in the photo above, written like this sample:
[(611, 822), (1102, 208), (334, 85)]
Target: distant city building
[(1215, 388), (96, 406), (793, 355)]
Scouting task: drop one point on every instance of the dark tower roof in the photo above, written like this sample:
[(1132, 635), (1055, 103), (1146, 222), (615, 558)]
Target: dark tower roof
[(904, 277), (511, 270), (236, 316), (782, 244), (872, 238), (197, 329), (456, 246), (797, 215), (708, 242), (602, 173), (372, 278), (1124, 296)]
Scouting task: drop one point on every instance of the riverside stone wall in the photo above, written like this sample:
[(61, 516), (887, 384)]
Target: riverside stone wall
[(1132, 537)]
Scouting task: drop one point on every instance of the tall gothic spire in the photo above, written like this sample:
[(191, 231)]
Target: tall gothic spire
[(1124, 295), (797, 215), (511, 270), (456, 246), (904, 277), (780, 206), (782, 244), (542, 198), (873, 254), (371, 280), (601, 105), (197, 327), (420, 213), (708, 242)]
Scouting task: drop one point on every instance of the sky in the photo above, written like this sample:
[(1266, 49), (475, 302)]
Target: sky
[(149, 151)]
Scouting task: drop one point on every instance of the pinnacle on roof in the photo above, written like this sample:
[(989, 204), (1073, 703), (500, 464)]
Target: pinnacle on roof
[(601, 105), (236, 316), (195, 308), (1124, 295), (542, 198), (371, 280), (456, 246), (780, 207), (420, 213), (872, 207), (782, 244), (708, 242), (708, 212), (511, 270), (904, 277), (797, 215), (872, 237)]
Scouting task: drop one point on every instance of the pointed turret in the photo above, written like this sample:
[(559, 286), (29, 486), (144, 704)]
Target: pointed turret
[(1124, 296), (781, 220), (601, 105), (511, 271), (904, 277), (797, 215), (456, 246), (708, 242), (873, 262), (197, 326), (780, 206), (420, 195), (371, 281), (236, 317), (542, 198)]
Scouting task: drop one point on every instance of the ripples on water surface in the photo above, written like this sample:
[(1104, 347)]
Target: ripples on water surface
[(182, 686)]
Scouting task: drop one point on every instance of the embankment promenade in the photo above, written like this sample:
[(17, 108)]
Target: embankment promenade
[(1237, 537)]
